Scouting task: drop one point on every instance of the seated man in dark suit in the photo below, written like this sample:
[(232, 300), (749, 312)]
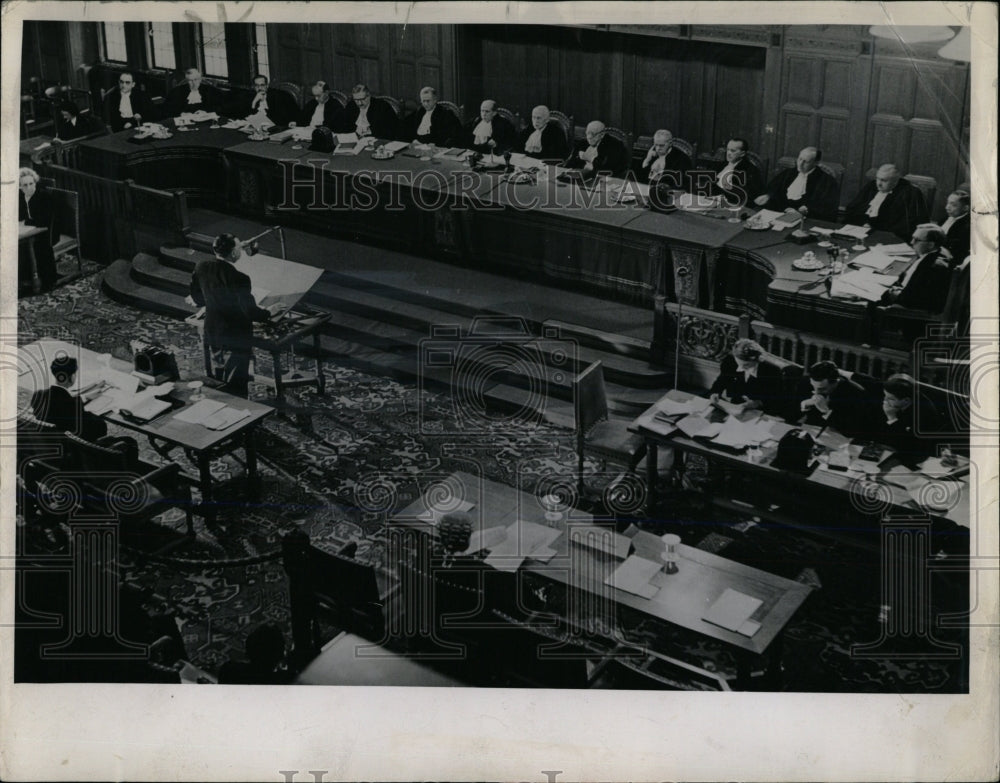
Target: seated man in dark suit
[(544, 139), (34, 208), (739, 181), (956, 227), (664, 164), (913, 440), (826, 398), (58, 407), (746, 382), (277, 105), (230, 310), (888, 203), (368, 116), (806, 189), (600, 153), (491, 133), (194, 95), (74, 125), (322, 108), (126, 106), (431, 123), (925, 283)]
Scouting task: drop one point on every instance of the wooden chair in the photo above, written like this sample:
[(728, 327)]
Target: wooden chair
[(512, 118), (395, 103), (897, 327), (565, 122), (66, 222), (340, 96), (625, 139), (292, 89), (927, 186), (458, 111), (132, 492), (596, 432)]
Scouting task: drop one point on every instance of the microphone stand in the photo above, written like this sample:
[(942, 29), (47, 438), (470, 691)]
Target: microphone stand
[(253, 248)]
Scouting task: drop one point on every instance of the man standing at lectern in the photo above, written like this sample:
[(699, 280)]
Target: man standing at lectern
[(230, 311)]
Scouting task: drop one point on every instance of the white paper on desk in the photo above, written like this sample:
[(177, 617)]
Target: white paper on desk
[(898, 249), (900, 476), (201, 410), (633, 576), (876, 258), (831, 439), (520, 160), (766, 216), (347, 138), (396, 146), (940, 496), (933, 467), (433, 515), (779, 429), (694, 202), (531, 536), (236, 124), (692, 425), (601, 539), (225, 418), (659, 424), (862, 283), (487, 538), (823, 232), (786, 220), (732, 609), (692, 405), (857, 232)]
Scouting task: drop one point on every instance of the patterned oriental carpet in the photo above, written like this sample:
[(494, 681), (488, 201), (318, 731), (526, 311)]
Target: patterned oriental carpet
[(370, 437)]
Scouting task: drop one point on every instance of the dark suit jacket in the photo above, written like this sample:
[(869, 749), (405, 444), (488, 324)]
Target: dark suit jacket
[(58, 407), (855, 411), (446, 130), (903, 435), (281, 107), (928, 288), (42, 214), (747, 183), (141, 104), (85, 125), (821, 197), (381, 119), (503, 135), (958, 239), (176, 103), (230, 309), (675, 168), (611, 156), (765, 387), (333, 113), (554, 144), (900, 213)]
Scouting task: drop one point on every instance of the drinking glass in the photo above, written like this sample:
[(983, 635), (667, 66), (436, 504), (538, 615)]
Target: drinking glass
[(669, 555)]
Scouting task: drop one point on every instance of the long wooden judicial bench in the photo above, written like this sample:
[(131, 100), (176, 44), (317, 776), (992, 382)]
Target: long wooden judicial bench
[(431, 205)]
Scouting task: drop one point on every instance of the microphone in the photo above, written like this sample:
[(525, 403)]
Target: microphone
[(252, 246)]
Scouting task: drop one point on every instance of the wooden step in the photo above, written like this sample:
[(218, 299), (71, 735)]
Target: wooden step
[(120, 286)]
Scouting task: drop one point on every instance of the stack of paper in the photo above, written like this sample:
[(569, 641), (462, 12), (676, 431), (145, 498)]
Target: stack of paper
[(934, 467), (823, 232), (786, 220), (737, 434), (876, 258), (633, 576), (697, 426), (732, 611), (765, 217), (861, 283), (855, 232), (898, 249), (694, 202)]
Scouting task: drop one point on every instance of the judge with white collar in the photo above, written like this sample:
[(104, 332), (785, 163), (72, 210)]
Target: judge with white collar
[(490, 133), (192, 96), (126, 106), (806, 189)]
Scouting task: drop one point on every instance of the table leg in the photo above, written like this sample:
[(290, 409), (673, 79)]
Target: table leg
[(320, 377), (279, 389), (652, 460), (205, 484), (250, 449)]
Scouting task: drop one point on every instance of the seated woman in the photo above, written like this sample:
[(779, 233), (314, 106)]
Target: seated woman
[(34, 208), (747, 382)]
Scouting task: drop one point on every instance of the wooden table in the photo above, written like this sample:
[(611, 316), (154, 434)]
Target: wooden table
[(683, 597), (820, 489), (164, 432)]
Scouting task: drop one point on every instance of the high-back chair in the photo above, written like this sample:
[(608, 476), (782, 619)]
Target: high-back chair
[(596, 433)]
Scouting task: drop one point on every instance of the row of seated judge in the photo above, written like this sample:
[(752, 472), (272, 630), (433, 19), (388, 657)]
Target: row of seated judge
[(896, 412)]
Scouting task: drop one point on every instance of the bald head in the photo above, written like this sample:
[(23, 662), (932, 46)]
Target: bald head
[(887, 177), (808, 159), (595, 132), (539, 117), (487, 110)]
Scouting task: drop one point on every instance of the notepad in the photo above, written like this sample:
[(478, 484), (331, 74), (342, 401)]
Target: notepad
[(396, 146), (197, 413), (732, 609), (875, 258), (145, 409), (855, 232), (634, 575)]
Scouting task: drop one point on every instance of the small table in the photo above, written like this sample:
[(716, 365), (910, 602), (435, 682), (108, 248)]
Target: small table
[(683, 597), (198, 441)]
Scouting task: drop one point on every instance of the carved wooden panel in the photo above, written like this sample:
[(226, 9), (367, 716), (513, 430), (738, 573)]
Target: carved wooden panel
[(838, 85), (803, 79)]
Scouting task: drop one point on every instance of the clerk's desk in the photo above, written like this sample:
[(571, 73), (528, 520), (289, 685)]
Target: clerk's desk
[(836, 490), (164, 431)]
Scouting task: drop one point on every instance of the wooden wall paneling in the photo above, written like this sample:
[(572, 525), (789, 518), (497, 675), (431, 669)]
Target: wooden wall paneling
[(739, 87), (239, 54), (771, 99), (658, 96), (423, 55)]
